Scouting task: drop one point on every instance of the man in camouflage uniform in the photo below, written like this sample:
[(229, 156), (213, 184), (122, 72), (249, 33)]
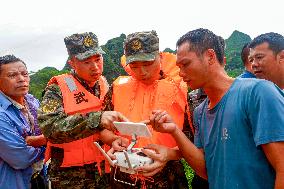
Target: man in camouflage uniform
[(61, 127)]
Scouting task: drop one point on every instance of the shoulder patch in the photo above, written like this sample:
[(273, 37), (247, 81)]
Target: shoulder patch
[(50, 106)]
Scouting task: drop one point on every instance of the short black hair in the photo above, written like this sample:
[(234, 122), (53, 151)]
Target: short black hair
[(10, 58), (245, 53), (201, 40), (275, 41)]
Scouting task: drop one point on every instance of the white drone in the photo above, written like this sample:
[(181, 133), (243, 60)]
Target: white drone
[(129, 159)]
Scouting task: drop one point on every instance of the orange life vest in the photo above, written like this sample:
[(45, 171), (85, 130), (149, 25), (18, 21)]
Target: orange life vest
[(76, 99), (136, 100)]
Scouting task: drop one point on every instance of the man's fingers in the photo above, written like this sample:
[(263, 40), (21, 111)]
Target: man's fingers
[(152, 173), (112, 127), (117, 147), (121, 117), (154, 147), (149, 167), (150, 170), (155, 117), (156, 112), (120, 144), (126, 144), (108, 117), (163, 118), (152, 122), (160, 115), (109, 126), (147, 122), (151, 154), (110, 154)]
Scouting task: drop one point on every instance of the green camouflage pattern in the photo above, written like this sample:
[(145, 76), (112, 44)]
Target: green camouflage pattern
[(195, 98), (171, 177), (141, 46), (85, 177), (83, 45), (57, 126), (141, 57), (107, 103)]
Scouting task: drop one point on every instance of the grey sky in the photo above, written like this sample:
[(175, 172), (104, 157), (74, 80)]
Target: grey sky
[(34, 29)]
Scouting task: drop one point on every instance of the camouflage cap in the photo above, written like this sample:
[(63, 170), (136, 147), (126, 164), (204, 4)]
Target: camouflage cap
[(141, 46), (83, 45)]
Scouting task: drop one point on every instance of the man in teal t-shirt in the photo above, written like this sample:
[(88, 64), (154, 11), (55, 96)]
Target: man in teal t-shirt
[(232, 132), (239, 137)]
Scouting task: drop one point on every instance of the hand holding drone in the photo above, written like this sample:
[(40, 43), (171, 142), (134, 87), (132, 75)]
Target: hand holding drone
[(129, 159)]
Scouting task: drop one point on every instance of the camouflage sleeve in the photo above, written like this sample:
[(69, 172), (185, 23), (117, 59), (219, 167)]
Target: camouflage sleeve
[(187, 129), (107, 103), (57, 126)]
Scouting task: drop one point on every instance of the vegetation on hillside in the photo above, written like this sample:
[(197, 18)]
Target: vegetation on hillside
[(114, 51), (234, 45), (39, 80)]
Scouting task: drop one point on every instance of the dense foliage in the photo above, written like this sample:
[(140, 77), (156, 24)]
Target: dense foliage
[(234, 45), (114, 51), (40, 79)]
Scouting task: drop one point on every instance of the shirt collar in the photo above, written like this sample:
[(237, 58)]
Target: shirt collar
[(6, 101), (95, 90), (250, 74)]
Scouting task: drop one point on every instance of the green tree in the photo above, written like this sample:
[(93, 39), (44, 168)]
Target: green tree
[(40, 78), (234, 45), (169, 50)]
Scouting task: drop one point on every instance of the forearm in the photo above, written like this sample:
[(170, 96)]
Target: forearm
[(174, 154), (36, 141), (274, 153), (107, 137), (28, 157), (57, 126), (193, 155), (63, 128), (20, 156)]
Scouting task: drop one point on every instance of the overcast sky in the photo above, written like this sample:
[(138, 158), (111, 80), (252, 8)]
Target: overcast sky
[(34, 29)]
